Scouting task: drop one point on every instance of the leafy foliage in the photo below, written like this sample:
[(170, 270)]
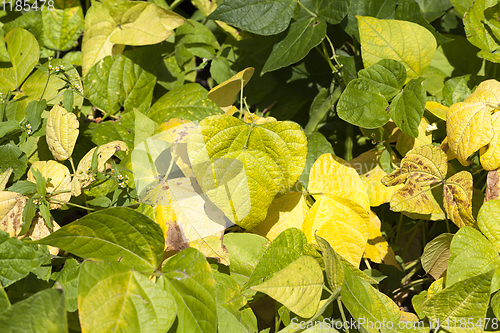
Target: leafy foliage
[(249, 166)]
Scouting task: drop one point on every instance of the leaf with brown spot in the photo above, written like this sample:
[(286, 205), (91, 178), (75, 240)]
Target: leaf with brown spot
[(426, 165), (492, 185), (82, 177), (11, 210), (457, 199), (4, 178), (413, 198), (39, 230)]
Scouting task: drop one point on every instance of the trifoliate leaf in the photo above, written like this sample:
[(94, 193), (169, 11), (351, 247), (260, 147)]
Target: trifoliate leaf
[(62, 132)]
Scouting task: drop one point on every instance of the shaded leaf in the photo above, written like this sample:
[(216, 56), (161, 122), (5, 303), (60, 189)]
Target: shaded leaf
[(436, 255)]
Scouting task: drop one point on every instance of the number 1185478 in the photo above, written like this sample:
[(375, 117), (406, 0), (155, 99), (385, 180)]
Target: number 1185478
[(26, 5)]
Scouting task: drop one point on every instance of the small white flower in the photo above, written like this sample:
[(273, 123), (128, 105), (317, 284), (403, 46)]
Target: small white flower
[(431, 127)]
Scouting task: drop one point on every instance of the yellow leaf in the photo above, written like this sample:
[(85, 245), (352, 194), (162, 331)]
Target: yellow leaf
[(332, 175), (388, 39), (457, 199), (436, 109), (435, 287), (11, 210), (490, 155), (83, 177), (233, 32), (253, 118), (60, 180), (8, 202), (62, 132), (425, 164), (446, 148), (165, 217), (197, 218), (4, 178), (39, 230), (377, 249), (469, 124), (406, 143), (224, 94), (212, 247), (377, 192), (287, 211), (340, 213), (413, 198)]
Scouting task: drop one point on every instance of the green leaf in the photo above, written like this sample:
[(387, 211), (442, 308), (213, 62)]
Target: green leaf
[(382, 9), (487, 221), (29, 212), (23, 187), (333, 265), (317, 145), (408, 107), (303, 35), (189, 102), (115, 234), (331, 11), (386, 39), (436, 255), (36, 85), (40, 182), (144, 127), (68, 278), (117, 82), (12, 156), (121, 130), (227, 322), (361, 104), (298, 286), (142, 23), (471, 254), (23, 52), (39, 313), (245, 251), (127, 301), (62, 27), (68, 99), (197, 39), (456, 90), (100, 202), (9, 126), (30, 21), (482, 29), (45, 212), (17, 259), (387, 75), (4, 300), (190, 281), (467, 299), (365, 302), (282, 251), (431, 9), (252, 164), (34, 112), (262, 17)]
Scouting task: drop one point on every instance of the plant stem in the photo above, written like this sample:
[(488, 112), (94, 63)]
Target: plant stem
[(307, 10), (349, 142), (70, 204), (44, 88), (341, 309), (398, 230)]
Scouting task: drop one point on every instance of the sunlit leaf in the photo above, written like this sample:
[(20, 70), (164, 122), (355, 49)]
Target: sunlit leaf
[(457, 198), (298, 286), (386, 39), (60, 180), (377, 249), (62, 132), (4, 178), (224, 94)]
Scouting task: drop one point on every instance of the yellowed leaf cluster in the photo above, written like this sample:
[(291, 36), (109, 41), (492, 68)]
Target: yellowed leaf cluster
[(474, 124), (423, 171)]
